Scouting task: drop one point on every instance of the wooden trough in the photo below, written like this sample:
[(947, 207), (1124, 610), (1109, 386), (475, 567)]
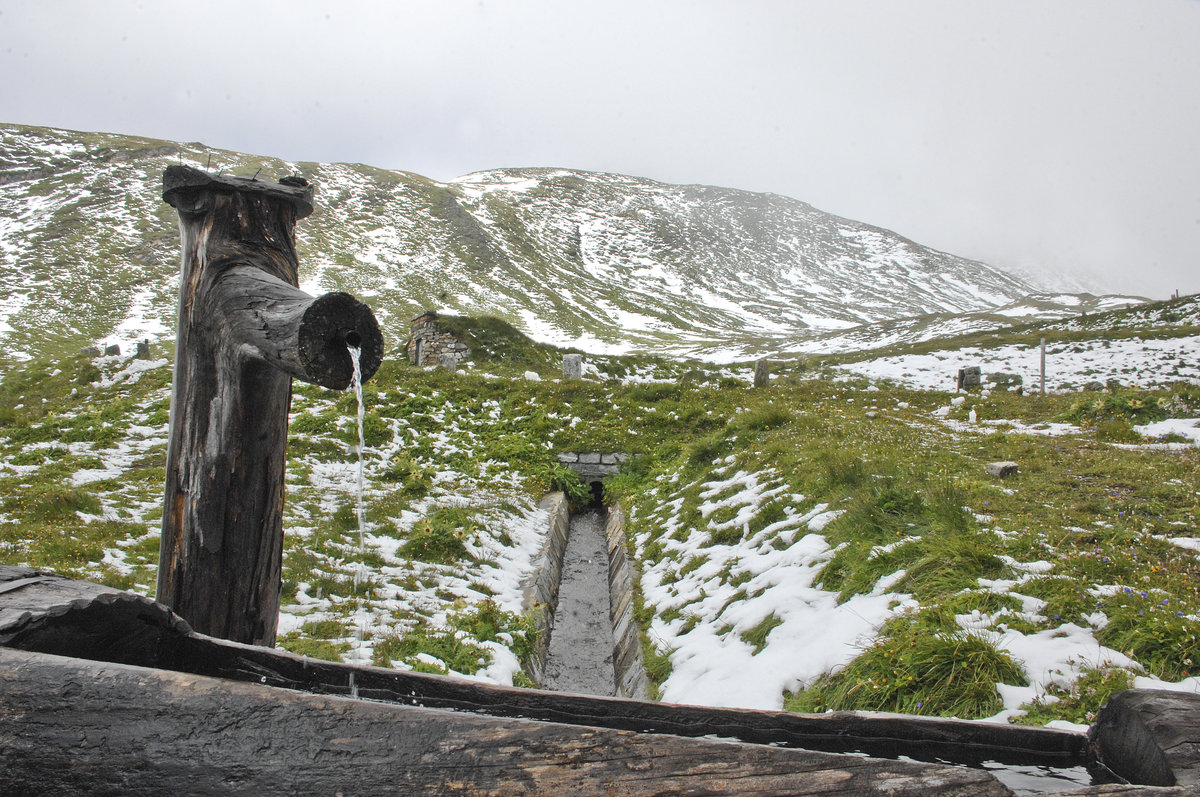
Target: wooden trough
[(108, 692)]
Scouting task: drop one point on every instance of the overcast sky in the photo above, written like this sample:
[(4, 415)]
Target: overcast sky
[(1050, 136)]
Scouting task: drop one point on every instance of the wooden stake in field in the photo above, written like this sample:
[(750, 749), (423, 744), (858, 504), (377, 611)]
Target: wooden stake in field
[(245, 331), (1043, 369)]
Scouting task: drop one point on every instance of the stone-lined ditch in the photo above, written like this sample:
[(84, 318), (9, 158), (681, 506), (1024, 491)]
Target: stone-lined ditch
[(584, 587), (580, 655)]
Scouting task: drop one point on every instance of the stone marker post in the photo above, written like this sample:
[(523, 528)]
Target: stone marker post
[(572, 366), (969, 377), (762, 373), (1043, 368)]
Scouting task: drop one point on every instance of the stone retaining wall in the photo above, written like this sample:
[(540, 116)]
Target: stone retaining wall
[(627, 642), (593, 464), (541, 590)]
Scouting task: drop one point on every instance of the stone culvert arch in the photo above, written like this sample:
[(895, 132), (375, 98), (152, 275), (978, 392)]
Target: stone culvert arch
[(593, 467)]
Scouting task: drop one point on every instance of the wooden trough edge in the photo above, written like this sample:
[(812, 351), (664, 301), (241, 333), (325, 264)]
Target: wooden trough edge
[(46, 613), (109, 625), (74, 726)]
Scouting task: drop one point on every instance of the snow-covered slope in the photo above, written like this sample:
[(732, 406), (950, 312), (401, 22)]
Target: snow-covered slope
[(713, 266), (88, 253)]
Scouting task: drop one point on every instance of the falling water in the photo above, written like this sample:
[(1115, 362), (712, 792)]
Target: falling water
[(356, 383), (360, 571)]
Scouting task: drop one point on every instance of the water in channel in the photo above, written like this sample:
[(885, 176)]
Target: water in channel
[(580, 658)]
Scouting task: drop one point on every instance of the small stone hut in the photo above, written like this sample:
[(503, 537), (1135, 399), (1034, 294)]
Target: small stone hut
[(428, 343)]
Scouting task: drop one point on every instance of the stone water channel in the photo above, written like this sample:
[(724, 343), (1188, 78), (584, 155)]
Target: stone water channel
[(580, 657), (583, 586)]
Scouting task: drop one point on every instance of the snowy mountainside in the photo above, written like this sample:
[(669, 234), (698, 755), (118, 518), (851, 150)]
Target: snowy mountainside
[(717, 265), (606, 263), (1039, 308), (1148, 346)]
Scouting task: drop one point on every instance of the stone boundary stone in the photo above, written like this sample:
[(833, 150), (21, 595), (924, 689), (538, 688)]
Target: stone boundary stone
[(762, 373), (1002, 469)]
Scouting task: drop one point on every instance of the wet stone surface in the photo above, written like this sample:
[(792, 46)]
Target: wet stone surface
[(581, 645)]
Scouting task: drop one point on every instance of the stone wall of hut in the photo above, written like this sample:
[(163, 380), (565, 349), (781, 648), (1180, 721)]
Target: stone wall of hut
[(428, 344)]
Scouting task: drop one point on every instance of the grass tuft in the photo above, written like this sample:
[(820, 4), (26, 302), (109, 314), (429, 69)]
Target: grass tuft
[(914, 671)]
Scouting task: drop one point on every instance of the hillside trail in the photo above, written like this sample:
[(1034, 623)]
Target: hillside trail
[(580, 658)]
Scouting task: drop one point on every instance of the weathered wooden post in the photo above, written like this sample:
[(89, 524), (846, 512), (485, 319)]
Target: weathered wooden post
[(245, 330)]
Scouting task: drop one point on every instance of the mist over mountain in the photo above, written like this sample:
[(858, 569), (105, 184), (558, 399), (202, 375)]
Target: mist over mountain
[(602, 262)]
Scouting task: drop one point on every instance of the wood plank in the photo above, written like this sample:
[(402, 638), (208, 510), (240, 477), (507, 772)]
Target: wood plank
[(91, 621), (1127, 790), (920, 738), (69, 726)]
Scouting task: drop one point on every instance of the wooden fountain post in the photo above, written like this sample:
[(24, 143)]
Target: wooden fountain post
[(245, 331)]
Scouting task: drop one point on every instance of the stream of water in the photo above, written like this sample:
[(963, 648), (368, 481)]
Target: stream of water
[(580, 658), (360, 572), (356, 383)]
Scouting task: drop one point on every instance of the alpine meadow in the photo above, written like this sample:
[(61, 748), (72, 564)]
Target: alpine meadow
[(833, 540)]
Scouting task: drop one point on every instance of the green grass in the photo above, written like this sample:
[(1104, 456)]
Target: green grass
[(453, 459), (756, 637), (442, 537), (1081, 701), (453, 649), (1158, 633), (917, 669), (487, 622), (313, 648)]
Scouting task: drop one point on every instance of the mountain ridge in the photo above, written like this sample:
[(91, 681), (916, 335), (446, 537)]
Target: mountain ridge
[(597, 261)]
